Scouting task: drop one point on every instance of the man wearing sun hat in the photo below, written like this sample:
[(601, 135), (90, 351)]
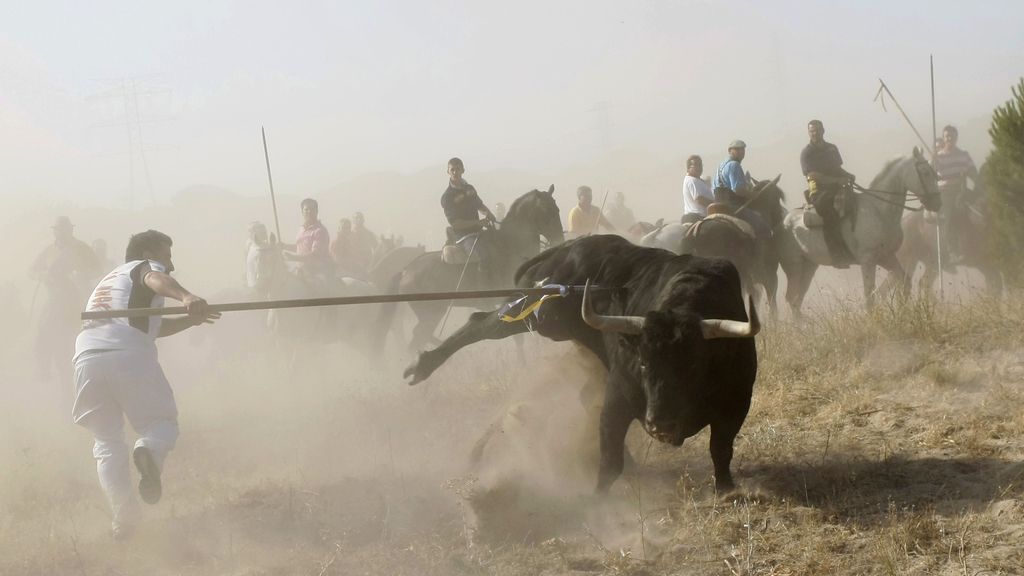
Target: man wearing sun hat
[(62, 272)]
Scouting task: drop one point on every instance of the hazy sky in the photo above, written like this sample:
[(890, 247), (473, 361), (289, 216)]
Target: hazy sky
[(347, 88)]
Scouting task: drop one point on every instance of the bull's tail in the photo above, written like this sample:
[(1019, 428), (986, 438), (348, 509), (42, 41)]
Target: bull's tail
[(526, 266)]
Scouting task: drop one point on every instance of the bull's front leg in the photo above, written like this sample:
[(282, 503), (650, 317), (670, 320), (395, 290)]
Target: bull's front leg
[(723, 434), (481, 326), (616, 416)]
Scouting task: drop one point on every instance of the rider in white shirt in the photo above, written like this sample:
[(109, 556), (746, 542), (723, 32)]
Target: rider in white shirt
[(697, 194)]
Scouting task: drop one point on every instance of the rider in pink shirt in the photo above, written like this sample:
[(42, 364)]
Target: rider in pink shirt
[(313, 243)]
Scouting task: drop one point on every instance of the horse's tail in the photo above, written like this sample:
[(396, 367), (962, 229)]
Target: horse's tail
[(386, 314)]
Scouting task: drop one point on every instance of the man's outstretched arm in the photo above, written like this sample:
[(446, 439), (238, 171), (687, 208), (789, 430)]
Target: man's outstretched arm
[(198, 312)]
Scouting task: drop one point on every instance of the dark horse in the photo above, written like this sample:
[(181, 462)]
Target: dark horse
[(770, 202), (720, 237), (531, 216)]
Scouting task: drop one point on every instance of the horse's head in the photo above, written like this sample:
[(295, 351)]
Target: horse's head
[(923, 182), (537, 212), (769, 200), (264, 267)]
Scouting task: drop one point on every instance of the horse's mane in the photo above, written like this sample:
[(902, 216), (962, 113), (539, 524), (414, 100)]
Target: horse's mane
[(517, 205), (886, 170)]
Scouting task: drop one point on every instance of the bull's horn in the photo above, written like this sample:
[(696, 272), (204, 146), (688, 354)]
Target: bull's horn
[(624, 324), (732, 328)]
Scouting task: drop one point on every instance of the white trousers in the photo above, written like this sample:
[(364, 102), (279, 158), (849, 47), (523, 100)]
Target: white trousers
[(109, 386)]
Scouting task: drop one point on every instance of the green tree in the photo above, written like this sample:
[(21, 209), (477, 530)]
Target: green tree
[(1003, 175)]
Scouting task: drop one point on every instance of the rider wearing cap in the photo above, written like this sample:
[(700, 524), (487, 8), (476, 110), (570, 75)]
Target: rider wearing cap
[(732, 188), (823, 166)]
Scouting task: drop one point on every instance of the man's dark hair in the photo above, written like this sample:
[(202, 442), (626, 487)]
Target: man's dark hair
[(817, 123), (456, 162), (150, 240), (693, 159), (952, 130), (310, 202)]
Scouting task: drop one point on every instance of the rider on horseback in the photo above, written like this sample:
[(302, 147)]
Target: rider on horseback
[(312, 246), (462, 207), (733, 190), (697, 194), (827, 183), (954, 166)]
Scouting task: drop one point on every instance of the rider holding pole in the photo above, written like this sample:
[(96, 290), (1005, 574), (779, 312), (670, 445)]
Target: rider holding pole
[(953, 166)]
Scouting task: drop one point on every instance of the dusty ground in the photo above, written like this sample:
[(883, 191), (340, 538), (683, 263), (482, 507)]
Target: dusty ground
[(890, 443)]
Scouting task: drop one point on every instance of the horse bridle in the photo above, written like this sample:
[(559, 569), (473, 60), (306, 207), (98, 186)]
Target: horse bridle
[(919, 196)]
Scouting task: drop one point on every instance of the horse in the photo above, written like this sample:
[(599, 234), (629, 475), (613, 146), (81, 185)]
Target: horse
[(920, 243), (727, 237), (531, 216), (270, 277), (389, 263), (873, 235)]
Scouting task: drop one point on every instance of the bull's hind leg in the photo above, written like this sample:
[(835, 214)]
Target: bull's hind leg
[(481, 326)]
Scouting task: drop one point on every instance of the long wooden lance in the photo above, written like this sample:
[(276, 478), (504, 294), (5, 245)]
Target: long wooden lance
[(270, 179), (336, 301), (938, 227), (882, 90)]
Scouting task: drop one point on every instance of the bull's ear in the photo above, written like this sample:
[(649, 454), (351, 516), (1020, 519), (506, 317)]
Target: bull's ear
[(753, 180), (551, 190)]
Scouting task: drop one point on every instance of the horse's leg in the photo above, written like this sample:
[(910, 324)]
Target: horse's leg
[(868, 270), (481, 326), (770, 282), (803, 285), (892, 265), (520, 343), (926, 284), (793, 271), (428, 315), (993, 281)]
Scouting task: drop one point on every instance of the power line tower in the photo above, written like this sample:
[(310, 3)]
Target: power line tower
[(125, 94)]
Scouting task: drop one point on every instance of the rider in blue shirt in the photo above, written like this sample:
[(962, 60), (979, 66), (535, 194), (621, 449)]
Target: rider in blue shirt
[(732, 188)]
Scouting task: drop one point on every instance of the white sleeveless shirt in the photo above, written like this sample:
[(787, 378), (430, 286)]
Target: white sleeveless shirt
[(121, 289)]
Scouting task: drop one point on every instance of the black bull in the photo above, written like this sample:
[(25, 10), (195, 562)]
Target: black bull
[(675, 339)]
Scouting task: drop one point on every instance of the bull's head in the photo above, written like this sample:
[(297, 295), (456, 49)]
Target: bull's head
[(672, 357)]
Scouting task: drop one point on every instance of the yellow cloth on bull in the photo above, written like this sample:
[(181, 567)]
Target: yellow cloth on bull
[(527, 310)]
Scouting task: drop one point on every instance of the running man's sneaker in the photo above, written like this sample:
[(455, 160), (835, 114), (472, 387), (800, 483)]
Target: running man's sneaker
[(149, 475)]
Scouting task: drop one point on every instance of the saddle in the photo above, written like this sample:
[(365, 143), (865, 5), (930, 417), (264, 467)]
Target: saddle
[(460, 251), (733, 221), (846, 205)]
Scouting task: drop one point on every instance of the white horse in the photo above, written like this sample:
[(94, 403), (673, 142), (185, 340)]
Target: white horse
[(667, 237), (873, 235), (270, 277)]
